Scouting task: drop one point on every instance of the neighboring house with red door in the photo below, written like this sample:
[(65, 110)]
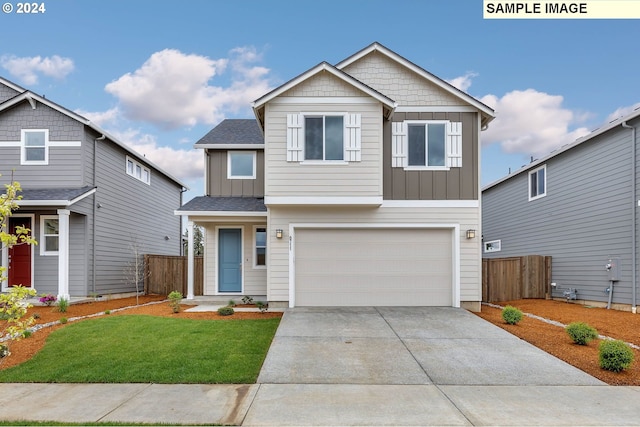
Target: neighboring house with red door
[(355, 184), (89, 200)]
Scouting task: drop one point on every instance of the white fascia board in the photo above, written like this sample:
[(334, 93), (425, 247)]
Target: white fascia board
[(422, 72), (82, 196), (12, 85), (230, 146), (431, 204), (316, 200)]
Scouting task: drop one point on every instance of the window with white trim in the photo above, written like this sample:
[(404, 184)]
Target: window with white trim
[(493, 246), (426, 145), (138, 171), (324, 137), (538, 183), (49, 234), (34, 147), (241, 164), (260, 245)]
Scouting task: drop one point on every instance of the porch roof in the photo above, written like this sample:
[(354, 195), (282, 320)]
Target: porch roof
[(212, 205), (53, 196)]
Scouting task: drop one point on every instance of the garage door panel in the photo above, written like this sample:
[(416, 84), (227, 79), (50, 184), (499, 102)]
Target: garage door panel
[(373, 267)]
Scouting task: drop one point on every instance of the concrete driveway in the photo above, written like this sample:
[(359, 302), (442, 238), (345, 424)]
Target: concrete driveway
[(406, 345)]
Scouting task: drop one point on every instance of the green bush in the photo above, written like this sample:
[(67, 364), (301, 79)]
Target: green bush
[(63, 305), (27, 333), (615, 355), (63, 320), (225, 311), (511, 315), (175, 298), (581, 333)]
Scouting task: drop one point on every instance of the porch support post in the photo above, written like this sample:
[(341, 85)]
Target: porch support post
[(63, 253), (190, 257)]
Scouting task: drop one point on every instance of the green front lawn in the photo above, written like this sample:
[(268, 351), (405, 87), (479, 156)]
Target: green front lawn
[(148, 349)]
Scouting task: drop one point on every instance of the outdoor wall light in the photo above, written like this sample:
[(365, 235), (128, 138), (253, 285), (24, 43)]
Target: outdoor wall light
[(471, 234), (279, 233)]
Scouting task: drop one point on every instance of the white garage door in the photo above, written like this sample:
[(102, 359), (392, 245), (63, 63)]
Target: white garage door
[(373, 267)]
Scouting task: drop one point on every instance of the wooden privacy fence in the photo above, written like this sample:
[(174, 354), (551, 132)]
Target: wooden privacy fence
[(505, 279), (164, 274)]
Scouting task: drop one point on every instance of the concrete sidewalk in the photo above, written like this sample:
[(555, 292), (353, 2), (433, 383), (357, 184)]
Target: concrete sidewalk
[(360, 366)]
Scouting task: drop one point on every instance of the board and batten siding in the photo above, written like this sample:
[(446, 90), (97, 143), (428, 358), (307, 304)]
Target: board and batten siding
[(584, 219), (220, 185), (131, 213), (280, 218), (453, 184), (65, 168), (363, 178), (254, 279)]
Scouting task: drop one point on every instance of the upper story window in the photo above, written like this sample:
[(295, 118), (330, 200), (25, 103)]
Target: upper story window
[(241, 164), (538, 183), (49, 234), (34, 147), (138, 171), (324, 137), (426, 145)]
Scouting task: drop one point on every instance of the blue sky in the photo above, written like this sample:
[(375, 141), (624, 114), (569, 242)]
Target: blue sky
[(160, 74)]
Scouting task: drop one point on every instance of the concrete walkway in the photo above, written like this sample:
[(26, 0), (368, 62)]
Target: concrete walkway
[(360, 366)]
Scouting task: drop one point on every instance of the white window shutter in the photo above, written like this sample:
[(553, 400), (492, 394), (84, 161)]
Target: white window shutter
[(353, 138), (454, 144), (399, 147), (294, 137)]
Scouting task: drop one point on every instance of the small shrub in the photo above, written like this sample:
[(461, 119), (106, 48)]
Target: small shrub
[(615, 355), (63, 305), (247, 300), (511, 315), (4, 351), (107, 312), (231, 303), (175, 298), (262, 306), (36, 316), (63, 320), (27, 333), (581, 333), (226, 311)]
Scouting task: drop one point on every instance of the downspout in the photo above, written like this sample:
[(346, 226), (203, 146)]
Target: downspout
[(633, 217), (95, 207)]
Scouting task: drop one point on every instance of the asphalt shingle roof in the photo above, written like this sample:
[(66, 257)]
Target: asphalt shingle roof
[(225, 204), (234, 131), (67, 194)]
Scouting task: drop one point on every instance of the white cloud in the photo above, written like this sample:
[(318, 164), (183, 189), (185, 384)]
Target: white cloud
[(622, 111), (101, 118), (463, 82), (28, 68), (173, 89), (531, 122), (183, 164)]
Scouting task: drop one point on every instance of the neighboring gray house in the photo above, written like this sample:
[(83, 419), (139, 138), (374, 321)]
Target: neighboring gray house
[(578, 205), (87, 198), (355, 184)]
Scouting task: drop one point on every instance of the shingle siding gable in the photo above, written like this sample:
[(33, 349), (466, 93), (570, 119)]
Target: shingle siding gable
[(323, 84)]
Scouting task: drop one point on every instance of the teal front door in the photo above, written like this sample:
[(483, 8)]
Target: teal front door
[(230, 260)]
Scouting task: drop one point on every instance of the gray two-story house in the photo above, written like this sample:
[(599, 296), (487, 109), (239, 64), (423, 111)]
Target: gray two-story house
[(579, 205), (356, 184), (90, 201)]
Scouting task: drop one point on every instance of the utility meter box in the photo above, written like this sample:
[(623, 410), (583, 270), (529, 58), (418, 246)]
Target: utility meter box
[(613, 269)]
